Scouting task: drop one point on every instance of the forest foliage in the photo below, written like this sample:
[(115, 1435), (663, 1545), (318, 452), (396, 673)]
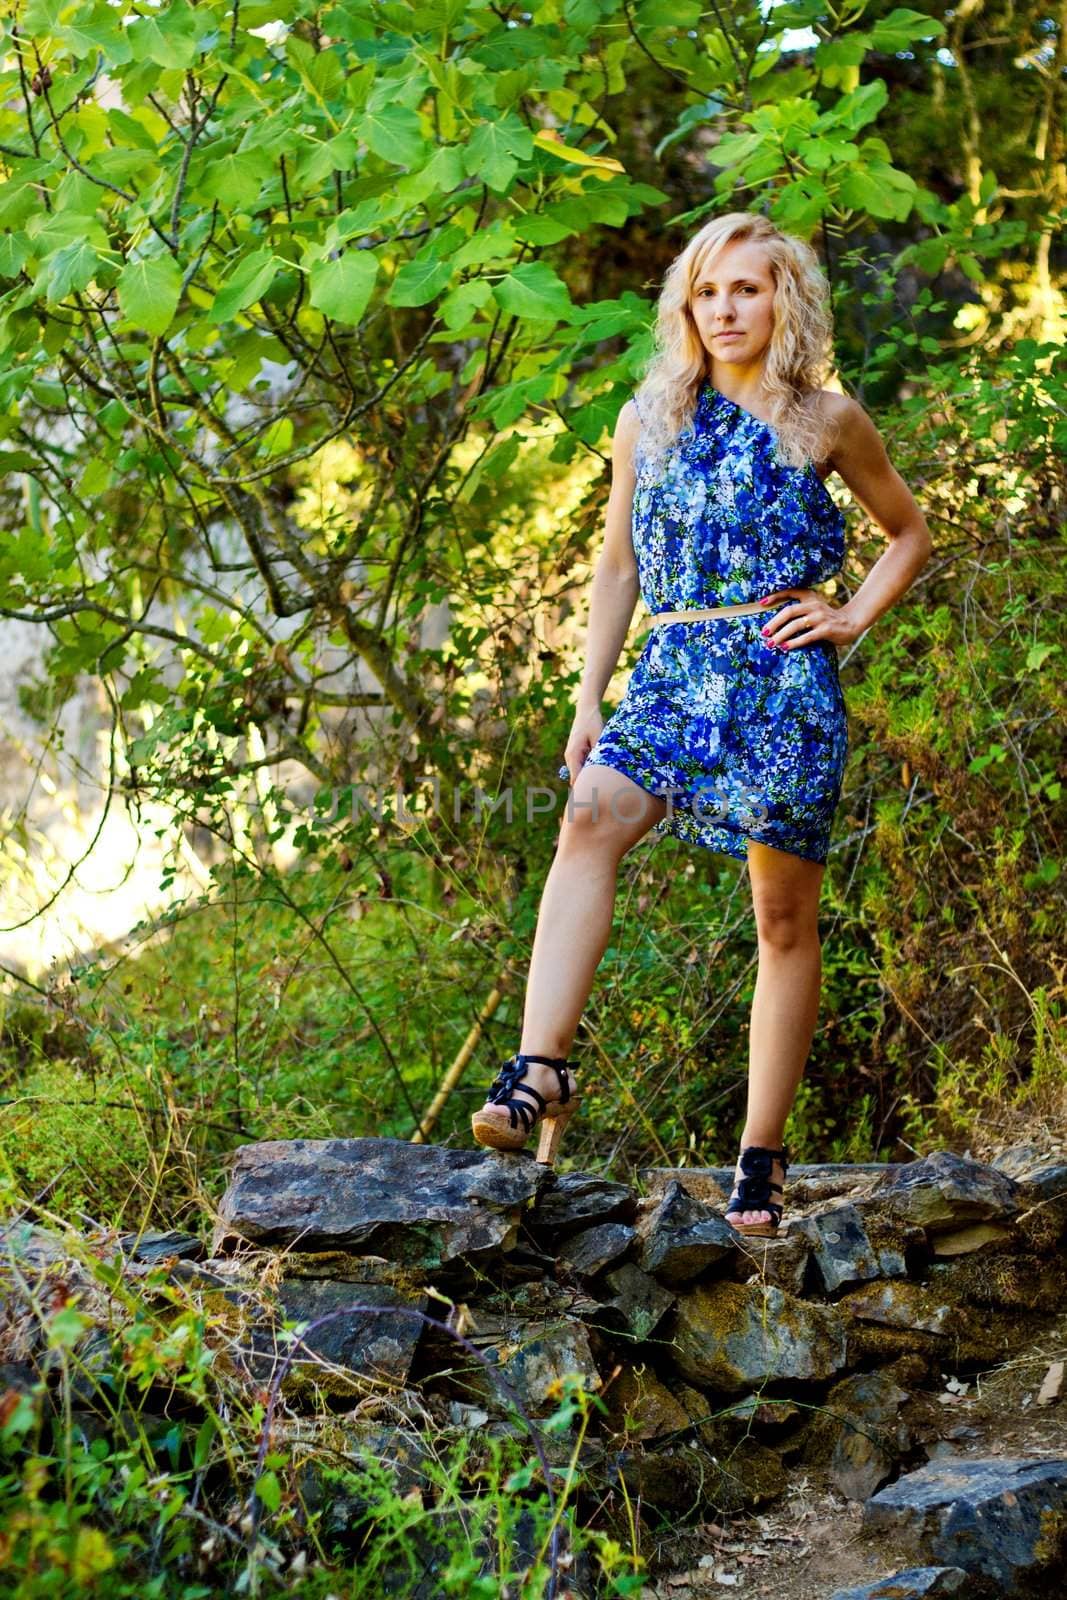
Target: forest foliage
[(314, 324)]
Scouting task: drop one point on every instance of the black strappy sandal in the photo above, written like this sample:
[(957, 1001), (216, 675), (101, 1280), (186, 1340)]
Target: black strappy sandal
[(754, 1190), (553, 1115)]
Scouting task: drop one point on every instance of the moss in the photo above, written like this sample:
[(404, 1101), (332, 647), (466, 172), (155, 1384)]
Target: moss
[(1050, 1547), (1044, 1225), (1023, 1282)]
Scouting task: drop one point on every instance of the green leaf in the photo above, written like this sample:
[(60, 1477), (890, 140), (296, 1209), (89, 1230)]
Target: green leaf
[(66, 1327), (202, 1443), (419, 281), (460, 306), (14, 253), (1038, 654), (236, 178), (149, 291), (341, 289), (169, 39), (395, 134), (534, 293), (495, 148), (269, 1490), (901, 28), (247, 283), (98, 29), (70, 268)]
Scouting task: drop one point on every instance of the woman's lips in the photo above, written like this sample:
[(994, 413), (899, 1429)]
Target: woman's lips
[(728, 336)]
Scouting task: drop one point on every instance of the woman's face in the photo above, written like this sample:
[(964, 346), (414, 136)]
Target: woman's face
[(734, 294)]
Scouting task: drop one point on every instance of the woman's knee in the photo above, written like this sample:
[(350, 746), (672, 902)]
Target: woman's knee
[(784, 925)]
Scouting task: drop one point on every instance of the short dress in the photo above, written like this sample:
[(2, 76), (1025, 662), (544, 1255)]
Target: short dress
[(743, 742)]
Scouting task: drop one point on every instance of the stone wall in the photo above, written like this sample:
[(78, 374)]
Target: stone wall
[(724, 1364)]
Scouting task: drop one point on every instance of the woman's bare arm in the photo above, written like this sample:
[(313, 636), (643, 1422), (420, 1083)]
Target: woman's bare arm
[(859, 455), (615, 588), (613, 594)]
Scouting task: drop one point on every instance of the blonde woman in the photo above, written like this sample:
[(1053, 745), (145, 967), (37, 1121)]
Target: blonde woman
[(732, 733)]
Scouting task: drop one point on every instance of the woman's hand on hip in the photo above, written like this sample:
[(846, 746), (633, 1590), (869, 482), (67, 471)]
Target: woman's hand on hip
[(806, 617)]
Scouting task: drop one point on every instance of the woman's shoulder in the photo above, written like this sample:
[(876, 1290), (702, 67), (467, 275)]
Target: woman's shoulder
[(836, 410)]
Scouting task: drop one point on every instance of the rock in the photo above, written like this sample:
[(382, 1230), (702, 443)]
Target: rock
[(899, 1305), (709, 1185), (350, 1352), (578, 1200), (984, 1236), (757, 1410), (536, 1362), (686, 1478), (151, 1248), (1019, 1157), (341, 1266), (857, 1435), (842, 1250), (681, 1237), (342, 1445), (590, 1252), (782, 1261), (1027, 1163), (419, 1205), (1051, 1384), (1003, 1519), (917, 1583), (642, 1407), (936, 1317), (943, 1191), (736, 1336), (637, 1305), (1045, 1183)]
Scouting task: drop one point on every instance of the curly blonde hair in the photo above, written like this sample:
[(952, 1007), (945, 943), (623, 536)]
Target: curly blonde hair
[(797, 358)]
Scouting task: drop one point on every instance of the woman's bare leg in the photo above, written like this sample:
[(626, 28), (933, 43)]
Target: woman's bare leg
[(576, 910), (785, 1006)]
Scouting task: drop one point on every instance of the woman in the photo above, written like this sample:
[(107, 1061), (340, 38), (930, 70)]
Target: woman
[(732, 733)]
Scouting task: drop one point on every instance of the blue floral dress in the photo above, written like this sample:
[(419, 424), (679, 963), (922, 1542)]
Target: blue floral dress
[(743, 742)]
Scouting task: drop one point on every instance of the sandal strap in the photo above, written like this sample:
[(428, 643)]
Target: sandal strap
[(507, 1084), (754, 1188)]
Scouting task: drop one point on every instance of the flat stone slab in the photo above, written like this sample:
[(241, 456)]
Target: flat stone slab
[(901, 1305), (1004, 1519), (419, 1205), (590, 1252), (812, 1180), (916, 1583), (578, 1200), (152, 1248), (942, 1192)]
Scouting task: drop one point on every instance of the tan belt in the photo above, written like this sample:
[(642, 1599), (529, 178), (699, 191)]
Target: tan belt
[(710, 611)]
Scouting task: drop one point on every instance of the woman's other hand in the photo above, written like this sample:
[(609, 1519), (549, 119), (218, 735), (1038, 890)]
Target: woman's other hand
[(585, 731)]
